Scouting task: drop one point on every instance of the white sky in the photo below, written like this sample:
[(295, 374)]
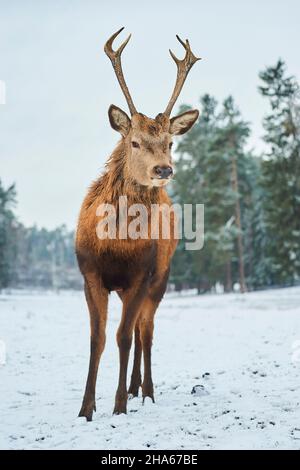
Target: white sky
[(54, 130)]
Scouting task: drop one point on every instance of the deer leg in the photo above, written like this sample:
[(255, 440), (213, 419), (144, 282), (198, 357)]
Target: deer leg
[(149, 307), (97, 299), (131, 307), (136, 378), (146, 328)]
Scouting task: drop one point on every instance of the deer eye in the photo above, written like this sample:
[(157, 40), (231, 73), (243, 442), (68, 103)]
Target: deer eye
[(135, 144), (170, 145)]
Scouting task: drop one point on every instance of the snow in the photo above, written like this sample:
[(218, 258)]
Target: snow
[(240, 354)]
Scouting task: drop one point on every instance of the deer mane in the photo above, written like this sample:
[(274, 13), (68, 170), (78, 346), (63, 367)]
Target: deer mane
[(113, 184)]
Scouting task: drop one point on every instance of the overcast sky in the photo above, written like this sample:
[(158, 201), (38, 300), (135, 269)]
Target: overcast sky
[(54, 130)]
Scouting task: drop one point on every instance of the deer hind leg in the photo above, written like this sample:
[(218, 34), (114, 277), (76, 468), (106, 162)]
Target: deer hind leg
[(136, 378), (97, 299), (132, 301)]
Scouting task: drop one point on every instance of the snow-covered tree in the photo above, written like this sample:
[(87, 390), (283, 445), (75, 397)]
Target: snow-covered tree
[(281, 173)]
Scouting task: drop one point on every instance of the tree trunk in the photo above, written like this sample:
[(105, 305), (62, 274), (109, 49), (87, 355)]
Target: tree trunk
[(228, 282), (235, 187)]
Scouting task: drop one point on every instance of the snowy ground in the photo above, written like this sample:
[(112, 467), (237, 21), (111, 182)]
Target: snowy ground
[(246, 343)]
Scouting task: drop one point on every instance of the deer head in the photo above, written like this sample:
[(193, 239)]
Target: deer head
[(147, 141)]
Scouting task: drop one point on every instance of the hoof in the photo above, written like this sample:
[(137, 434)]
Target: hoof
[(120, 403), (119, 410), (134, 387), (148, 396), (147, 390), (133, 393), (87, 411), (86, 414)]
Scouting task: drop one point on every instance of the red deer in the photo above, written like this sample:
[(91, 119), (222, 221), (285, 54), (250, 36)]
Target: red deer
[(139, 168)]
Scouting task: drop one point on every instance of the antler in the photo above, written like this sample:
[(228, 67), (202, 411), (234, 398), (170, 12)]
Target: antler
[(183, 68), (115, 57)]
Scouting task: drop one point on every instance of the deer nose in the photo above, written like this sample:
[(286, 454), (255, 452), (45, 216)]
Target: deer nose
[(163, 172)]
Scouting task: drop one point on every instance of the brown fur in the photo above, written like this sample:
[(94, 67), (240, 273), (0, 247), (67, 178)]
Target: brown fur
[(136, 269), (138, 168)]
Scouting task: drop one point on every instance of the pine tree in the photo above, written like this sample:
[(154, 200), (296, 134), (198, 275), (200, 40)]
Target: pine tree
[(215, 169), (191, 186), (281, 173), (7, 220), (33, 257), (233, 134)]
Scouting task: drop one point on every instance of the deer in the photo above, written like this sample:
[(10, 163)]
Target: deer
[(137, 269)]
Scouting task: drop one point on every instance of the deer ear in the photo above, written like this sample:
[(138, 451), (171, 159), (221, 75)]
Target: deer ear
[(119, 120), (183, 122)]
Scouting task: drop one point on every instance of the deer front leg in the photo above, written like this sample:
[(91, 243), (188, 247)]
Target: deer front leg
[(149, 307), (131, 307), (146, 328), (136, 378), (97, 299)]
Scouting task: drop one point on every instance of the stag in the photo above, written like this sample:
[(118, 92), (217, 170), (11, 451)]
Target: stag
[(137, 269)]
